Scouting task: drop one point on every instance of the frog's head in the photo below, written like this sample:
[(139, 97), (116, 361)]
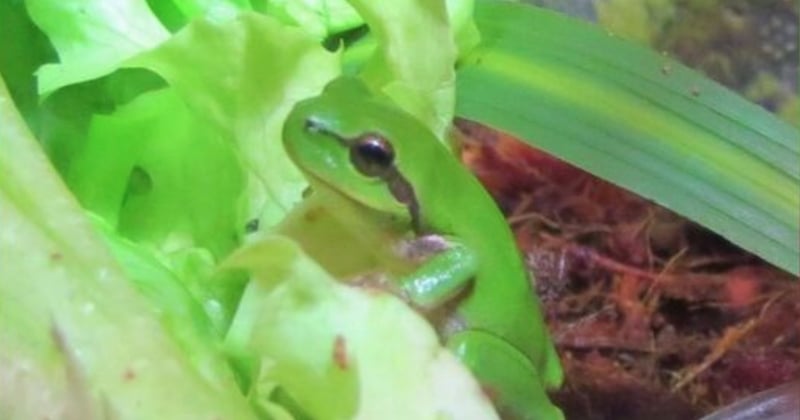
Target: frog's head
[(347, 140)]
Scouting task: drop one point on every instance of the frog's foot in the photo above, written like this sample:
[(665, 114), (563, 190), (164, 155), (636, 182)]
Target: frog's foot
[(414, 251), (506, 375), (444, 269), (440, 268)]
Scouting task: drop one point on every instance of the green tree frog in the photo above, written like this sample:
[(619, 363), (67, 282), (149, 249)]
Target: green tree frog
[(361, 153)]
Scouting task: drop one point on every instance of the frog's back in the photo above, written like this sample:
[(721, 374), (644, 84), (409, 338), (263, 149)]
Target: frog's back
[(502, 300), (453, 202)]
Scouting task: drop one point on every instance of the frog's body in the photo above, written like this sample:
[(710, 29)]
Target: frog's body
[(423, 187)]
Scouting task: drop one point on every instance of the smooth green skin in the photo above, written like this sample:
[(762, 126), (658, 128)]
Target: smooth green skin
[(498, 329)]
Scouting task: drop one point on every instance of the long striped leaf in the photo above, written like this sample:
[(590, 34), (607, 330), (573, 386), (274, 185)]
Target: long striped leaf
[(640, 120)]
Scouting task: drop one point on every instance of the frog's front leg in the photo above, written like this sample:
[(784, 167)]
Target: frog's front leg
[(445, 268), (509, 377)]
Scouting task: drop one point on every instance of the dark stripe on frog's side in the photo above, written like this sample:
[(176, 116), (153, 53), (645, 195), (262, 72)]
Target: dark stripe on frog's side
[(403, 192)]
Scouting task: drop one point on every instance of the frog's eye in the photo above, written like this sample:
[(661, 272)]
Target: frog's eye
[(372, 155)]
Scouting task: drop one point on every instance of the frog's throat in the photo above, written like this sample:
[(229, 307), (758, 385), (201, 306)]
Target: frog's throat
[(398, 186)]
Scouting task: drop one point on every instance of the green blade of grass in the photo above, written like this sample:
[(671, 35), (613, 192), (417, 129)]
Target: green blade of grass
[(640, 120)]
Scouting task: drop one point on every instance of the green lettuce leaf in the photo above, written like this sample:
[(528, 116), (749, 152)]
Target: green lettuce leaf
[(146, 176), (243, 76), (175, 14), (318, 18), (465, 31), (414, 67), (341, 351), (92, 37), (25, 48), (180, 311), (77, 341)]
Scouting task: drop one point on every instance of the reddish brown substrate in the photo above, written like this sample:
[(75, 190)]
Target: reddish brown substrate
[(654, 316)]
